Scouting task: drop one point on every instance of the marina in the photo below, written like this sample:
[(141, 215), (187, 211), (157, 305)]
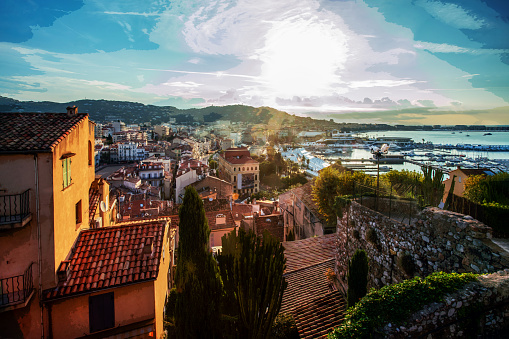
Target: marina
[(408, 150)]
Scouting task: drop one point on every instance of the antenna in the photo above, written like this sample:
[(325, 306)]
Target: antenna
[(103, 206)]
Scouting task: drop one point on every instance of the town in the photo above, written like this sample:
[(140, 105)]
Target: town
[(93, 215)]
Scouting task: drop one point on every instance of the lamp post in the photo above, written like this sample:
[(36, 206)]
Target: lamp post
[(378, 152)]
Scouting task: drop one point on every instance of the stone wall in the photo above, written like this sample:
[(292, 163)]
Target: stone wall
[(480, 308), (436, 240)]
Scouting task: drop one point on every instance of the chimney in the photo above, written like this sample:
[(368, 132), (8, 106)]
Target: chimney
[(72, 110)]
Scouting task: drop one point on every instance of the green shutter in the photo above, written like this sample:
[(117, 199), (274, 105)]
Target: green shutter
[(64, 170)]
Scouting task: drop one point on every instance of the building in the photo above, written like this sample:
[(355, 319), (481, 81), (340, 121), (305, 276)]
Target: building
[(46, 172), (213, 186), (226, 143), (238, 168), (300, 212), (113, 282), (152, 173), (459, 175), (64, 274)]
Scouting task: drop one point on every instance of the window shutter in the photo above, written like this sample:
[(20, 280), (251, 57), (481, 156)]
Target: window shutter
[(64, 170)]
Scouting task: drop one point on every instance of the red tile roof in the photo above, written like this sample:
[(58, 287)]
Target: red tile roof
[(243, 209), (307, 252), (305, 285), (319, 317), (312, 300), (111, 257), (211, 217), (238, 156), (21, 132)]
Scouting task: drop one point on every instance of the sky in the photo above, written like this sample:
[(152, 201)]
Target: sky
[(299, 56)]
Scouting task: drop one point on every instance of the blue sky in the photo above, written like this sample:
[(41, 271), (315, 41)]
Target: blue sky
[(294, 55)]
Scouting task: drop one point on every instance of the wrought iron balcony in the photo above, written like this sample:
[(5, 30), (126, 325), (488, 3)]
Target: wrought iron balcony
[(15, 210), (16, 290)]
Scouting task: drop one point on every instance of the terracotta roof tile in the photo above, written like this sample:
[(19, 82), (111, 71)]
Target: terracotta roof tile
[(315, 304), (310, 251), (319, 317), (125, 243), (212, 217), (305, 285), (21, 132)]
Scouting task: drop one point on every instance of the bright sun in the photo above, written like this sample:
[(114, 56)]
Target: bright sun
[(302, 57)]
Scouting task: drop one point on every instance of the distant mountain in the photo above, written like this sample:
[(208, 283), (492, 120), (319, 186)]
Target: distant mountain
[(133, 112)]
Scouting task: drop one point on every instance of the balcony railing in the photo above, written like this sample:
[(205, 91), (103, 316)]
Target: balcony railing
[(17, 289), (14, 208)]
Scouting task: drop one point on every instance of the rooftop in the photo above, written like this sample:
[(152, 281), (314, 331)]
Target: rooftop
[(111, 257), (308, 252), (40, 132), (310, 297)]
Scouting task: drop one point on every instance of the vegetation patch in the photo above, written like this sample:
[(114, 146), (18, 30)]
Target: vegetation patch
[(395, 303)]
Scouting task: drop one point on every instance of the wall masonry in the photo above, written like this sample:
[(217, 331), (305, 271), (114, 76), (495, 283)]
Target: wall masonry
[(435, 240)]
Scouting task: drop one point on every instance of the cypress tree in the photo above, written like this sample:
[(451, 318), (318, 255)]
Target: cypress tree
[(197, 280), (252, 270), (357, 277)]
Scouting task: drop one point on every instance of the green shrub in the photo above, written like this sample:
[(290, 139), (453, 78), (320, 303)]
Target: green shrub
[(357, 277), (395, 303), (284, 327)]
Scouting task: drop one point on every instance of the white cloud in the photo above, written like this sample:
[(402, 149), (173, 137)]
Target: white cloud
[(447, 48), (187, 84), (451, 14), (145, 14), (381, 83)]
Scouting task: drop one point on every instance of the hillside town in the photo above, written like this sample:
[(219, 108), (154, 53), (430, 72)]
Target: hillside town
[(90, 217)]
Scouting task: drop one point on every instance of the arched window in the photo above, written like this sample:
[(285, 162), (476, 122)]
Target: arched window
[(90, 153)]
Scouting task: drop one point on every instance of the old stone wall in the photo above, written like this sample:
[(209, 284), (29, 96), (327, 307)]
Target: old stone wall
[(435, 240), (480, 308)]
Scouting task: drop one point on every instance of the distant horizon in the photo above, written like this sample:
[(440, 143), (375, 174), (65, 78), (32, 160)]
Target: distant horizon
[(313, 115)]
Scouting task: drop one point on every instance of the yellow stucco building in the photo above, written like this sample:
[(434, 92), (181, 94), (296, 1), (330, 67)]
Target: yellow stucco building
[(49, 200)]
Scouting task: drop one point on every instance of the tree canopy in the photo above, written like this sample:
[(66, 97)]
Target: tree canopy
[(484, 189), (331, 183)]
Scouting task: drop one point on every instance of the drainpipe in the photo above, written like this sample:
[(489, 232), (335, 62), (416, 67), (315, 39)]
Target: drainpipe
[(39, 248)]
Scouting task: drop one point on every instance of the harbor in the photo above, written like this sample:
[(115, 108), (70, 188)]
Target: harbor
[(442, 150)]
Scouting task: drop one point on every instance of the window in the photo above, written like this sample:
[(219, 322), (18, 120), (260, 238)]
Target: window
[(220, 219), (66, 169), (101, 312), (90, 153), (79, 213)]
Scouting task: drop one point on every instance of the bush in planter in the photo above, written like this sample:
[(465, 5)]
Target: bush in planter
[(406, 262)]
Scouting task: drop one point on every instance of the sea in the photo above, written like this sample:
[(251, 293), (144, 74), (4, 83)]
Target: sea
[(438, 137)]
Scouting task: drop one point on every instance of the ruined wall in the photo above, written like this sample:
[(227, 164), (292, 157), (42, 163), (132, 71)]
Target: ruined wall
[(480, 308), (435, 240)]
